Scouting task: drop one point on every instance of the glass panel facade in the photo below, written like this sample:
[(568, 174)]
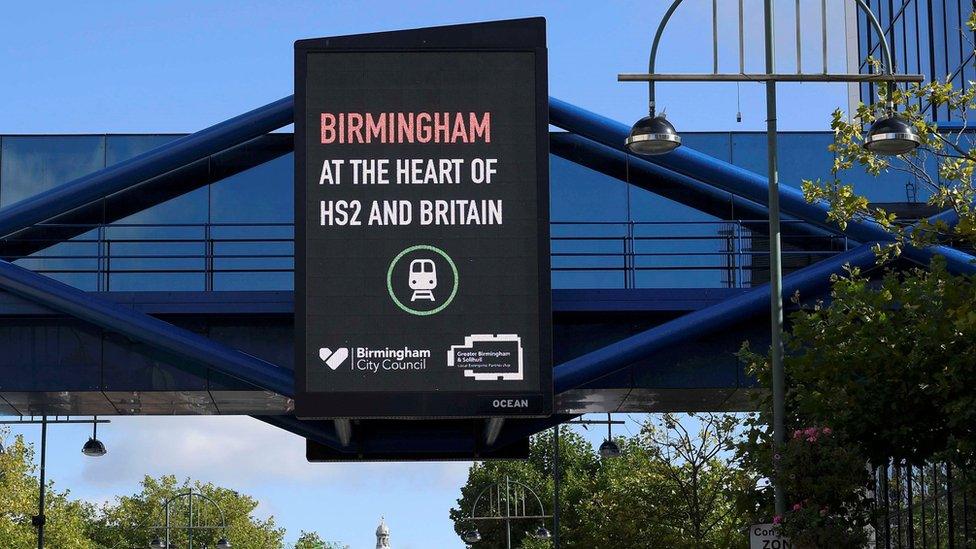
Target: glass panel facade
[(926, 37), (160, 248), (30, 165), (252, 213), (236, 233)]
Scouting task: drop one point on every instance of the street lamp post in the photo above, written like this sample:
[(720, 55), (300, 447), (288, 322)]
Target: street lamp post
[(513, 495), (555, 487), (39, 520), (222, 543), (653, 135)]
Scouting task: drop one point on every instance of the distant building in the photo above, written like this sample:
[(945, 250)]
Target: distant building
[(382, 535)]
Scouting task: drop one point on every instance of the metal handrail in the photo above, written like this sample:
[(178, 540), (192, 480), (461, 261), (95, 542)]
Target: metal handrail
[(635, 243)]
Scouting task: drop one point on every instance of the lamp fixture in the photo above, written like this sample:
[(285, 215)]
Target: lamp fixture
[(892, 136), (471, 536), (94, 447), (653, 135)]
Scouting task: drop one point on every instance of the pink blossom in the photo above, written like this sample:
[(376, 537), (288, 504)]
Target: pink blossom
[(777, 519), (827, 430), (797, 506)]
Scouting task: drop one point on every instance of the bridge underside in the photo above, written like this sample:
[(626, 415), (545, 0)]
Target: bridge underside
[(54, 365)]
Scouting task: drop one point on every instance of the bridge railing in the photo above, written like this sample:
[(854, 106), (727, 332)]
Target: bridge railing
[(260, 256)]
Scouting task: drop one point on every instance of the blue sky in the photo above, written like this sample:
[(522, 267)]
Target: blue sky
[(79, 67)]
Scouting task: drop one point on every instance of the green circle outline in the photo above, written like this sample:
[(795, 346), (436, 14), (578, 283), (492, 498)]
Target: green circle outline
[(389, 279)]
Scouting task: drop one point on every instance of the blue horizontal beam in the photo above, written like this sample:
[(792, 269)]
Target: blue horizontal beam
[(647, 175), (742, 182), (585, 369), (125, 174), (145, 329)]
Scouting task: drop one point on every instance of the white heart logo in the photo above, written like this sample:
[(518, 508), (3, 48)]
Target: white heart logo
[(334, 360)]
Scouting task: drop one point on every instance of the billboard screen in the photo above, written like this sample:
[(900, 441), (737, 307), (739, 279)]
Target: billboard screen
[(422, 245)]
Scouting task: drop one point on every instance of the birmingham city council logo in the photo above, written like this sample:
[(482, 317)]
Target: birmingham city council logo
[(334, 359)]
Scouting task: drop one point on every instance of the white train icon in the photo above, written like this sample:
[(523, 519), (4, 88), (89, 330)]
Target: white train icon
[(423, 279)]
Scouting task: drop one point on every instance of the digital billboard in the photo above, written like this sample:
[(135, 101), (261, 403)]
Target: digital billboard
[(422, 223)]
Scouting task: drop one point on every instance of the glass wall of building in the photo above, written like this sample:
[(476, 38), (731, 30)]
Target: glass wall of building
[(927, 37)]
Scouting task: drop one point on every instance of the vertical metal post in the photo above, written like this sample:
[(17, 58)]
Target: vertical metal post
[(911, 507), (950, 509), (715, 36), (886, 497), (167, 524), (189, 521), (897, 467), (742, 41), (921, 497), (965, 511), (799, 45), (555, 490), (823, 32), (508, 515), (935, 493), (41, 518), (775, 264)]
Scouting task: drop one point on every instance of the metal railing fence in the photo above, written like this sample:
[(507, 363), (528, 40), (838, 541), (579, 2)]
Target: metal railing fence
[(216, 256), (924, 507)]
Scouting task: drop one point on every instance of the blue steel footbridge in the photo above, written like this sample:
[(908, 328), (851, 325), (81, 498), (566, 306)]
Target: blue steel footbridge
[(80, 338)]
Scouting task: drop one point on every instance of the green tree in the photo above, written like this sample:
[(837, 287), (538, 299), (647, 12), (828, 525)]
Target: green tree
[(67, 520), (943, 165), (696, 457), (672, 486), (882, 371), (133, 521), (578, 462), (312, 540)]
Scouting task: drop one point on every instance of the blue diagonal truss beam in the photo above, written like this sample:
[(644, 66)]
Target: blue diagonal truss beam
[(145, 329), (602, 362), (664, 182), (742, 182), (200, 173), (156, 162)]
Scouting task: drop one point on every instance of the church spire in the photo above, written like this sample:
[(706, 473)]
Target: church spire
[(382, 535)]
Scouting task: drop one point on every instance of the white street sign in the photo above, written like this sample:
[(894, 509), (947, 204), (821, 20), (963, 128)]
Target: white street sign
[(764, 536)]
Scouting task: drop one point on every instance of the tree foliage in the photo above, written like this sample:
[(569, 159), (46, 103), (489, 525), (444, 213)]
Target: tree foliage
[(134, 520), (130, 521), (943, 165), (67, 520), (884, 368), (312, 540), (672, 486)]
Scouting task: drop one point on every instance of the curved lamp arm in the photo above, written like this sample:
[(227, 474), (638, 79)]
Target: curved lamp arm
[(653, 58), (190, 494), (474, 506), (885, 50)]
